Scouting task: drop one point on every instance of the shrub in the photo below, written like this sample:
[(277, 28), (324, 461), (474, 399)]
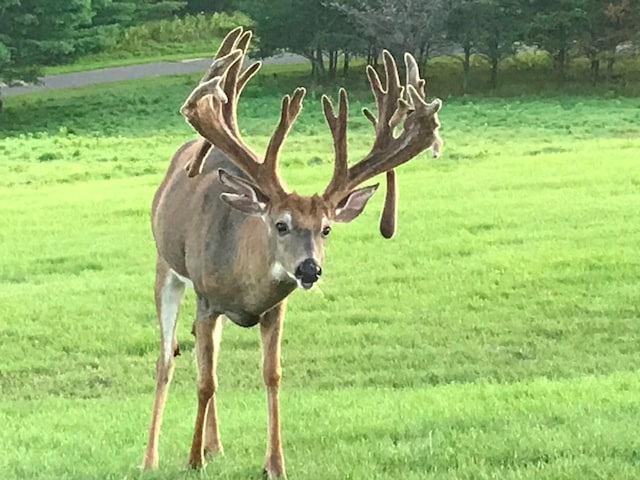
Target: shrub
[(186, 30)]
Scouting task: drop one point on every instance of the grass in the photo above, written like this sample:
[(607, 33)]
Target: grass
[(494, 338)]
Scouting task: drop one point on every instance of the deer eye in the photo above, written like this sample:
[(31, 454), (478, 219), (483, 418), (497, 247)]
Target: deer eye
[(282, 228), (326, 231)]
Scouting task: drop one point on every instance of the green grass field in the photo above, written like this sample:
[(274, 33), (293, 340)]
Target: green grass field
[(495, 337)]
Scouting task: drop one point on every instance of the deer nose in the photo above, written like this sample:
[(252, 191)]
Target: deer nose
[(308, 271)]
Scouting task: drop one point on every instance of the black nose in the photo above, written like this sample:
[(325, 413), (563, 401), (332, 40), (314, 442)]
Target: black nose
[(308, 271)]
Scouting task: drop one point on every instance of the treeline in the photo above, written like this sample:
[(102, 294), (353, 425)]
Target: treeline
[(326, 31), (330, 33), (36, 33)]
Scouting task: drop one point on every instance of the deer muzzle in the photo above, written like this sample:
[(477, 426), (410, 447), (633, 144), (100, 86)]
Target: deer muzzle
[(308, 273)]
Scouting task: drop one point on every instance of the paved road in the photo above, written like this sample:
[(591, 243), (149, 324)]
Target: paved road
[(132, 72)]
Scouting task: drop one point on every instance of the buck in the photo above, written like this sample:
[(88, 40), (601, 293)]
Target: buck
[(225, 225)]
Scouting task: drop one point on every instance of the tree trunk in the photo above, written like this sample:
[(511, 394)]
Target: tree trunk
[(560, 64), (424, 58), (373, 55), (494, 73), (610, 63), (312, 58), (370, 54), (333, 63), (466, 66), (595, 70), (319, 62), (345, 67)]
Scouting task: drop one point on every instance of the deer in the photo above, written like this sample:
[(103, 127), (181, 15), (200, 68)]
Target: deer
[(226, 226)]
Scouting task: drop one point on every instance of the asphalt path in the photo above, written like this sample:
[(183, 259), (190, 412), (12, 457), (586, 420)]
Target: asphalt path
[(131, 72)]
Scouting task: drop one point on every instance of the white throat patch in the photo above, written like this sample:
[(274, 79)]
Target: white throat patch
[(278, 272)]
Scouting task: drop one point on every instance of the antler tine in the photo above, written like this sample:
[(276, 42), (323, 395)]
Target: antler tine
[(395, 103), (338, 126), (226, 47), (231, 81), (248, 75), (291, 107), (212, 86), (387, 101), (391, 72), (229, 43)]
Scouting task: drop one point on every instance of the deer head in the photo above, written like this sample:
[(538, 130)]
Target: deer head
[(298, 226)]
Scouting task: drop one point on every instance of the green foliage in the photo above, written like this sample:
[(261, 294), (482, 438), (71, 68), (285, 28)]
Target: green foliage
[(158, 9), (129, 12), (191, 36), (113, 16), (273, 21), (36, 33), (39, 32), (311, 29), (494, 337), (195, 7), (188, 29), (503, 24), (555, 26)]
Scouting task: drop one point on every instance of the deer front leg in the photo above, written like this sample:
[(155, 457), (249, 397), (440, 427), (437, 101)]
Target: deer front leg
[(271, 332), (212, 443), (208, 330)]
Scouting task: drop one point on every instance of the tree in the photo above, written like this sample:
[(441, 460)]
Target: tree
[(36, 33), (415, 26), (39, 32), (306, 27), (622, 19), (556, 26), (130, 12), (156, 9), (465, 28), (502, 25), (207, 6)]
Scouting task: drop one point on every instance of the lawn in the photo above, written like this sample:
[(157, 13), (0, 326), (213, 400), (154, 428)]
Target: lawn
[(495, 337)]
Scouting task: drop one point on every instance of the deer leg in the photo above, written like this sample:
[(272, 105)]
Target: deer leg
[(168, 294), (212, 443), (271, 326), (207, 329)]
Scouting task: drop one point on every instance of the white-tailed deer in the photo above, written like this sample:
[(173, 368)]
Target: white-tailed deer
[(228, 227)]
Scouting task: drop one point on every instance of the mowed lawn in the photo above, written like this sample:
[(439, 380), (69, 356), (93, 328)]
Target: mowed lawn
[(495, 337)]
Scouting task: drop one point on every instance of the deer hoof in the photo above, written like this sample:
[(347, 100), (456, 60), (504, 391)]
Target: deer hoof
[(273, 474), (213, 451), (196, 463)]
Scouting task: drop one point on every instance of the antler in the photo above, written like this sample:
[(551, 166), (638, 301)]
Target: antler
[(211, 109), (395, 103)]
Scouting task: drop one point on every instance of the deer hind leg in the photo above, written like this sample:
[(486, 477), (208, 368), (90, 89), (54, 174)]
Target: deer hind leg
[(206, 436), (271, 326), (169, 291)]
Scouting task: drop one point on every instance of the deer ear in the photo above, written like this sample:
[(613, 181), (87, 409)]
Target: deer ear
[(353, 204), (244, 195)]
